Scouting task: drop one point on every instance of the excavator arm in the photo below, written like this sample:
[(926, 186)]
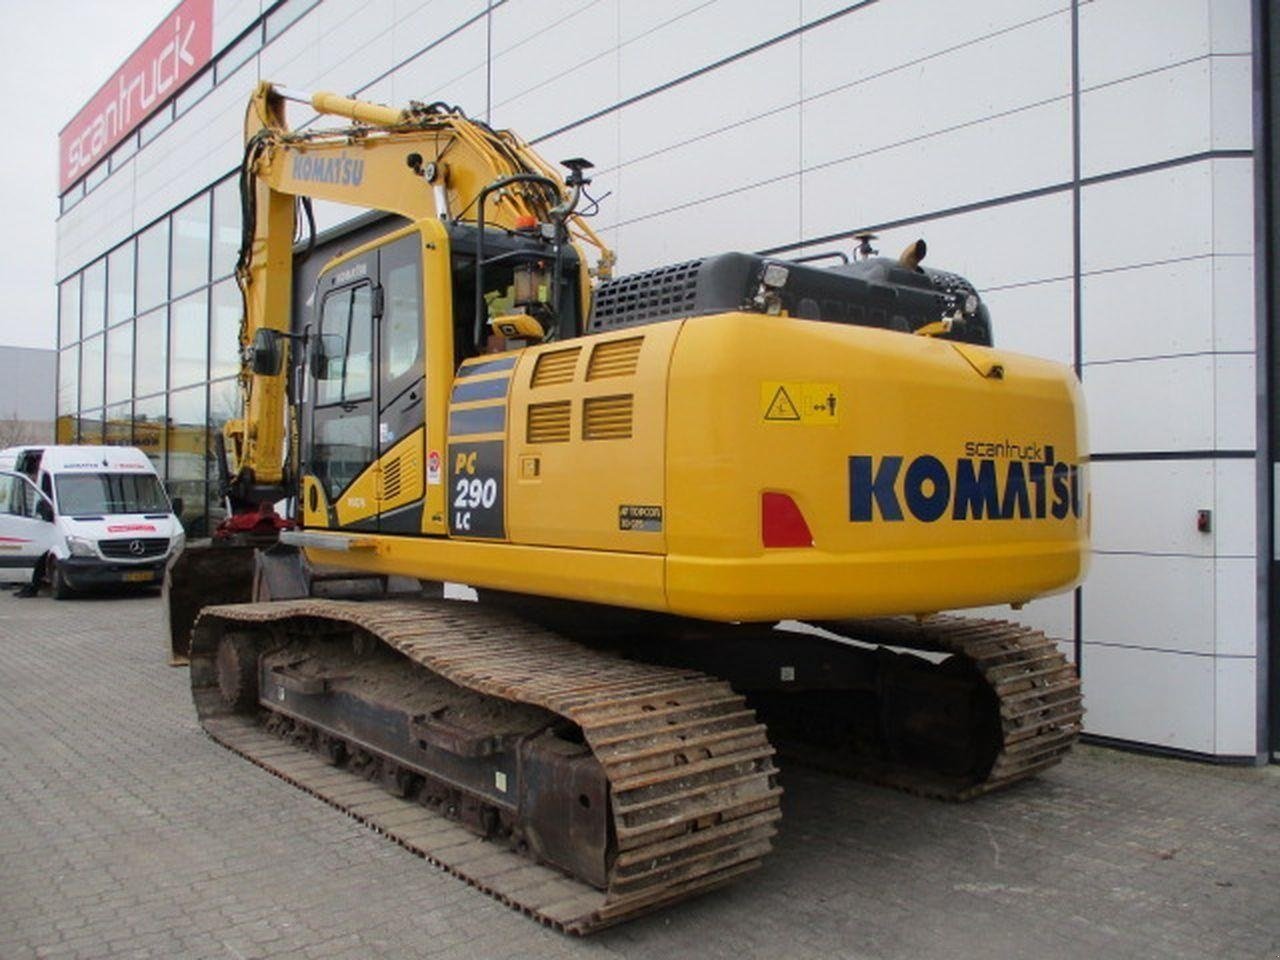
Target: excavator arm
[(420, 162)]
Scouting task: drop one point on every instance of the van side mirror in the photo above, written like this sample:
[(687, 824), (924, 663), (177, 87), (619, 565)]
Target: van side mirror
[(326, 356), (44, 510), (177, 505), (267, 352)]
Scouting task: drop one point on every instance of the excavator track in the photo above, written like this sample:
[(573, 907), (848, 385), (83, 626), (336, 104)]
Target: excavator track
[(1035, 694), (693, 798)]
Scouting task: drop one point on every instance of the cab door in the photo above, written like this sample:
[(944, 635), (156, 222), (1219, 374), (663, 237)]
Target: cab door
[(24, 534), (343, 434), (366, 446)]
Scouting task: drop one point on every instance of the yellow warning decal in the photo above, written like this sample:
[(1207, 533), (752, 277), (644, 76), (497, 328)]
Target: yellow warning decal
[(791, 401)]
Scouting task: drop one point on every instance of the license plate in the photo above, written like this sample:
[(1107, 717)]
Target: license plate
[(139, 576)]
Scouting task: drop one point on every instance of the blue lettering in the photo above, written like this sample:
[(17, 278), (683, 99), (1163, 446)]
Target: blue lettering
[(1015, 493), (976, 493), (927, 472), (863, 490)]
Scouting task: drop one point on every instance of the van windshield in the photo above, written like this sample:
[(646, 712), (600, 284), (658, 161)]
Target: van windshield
[(82, 494)]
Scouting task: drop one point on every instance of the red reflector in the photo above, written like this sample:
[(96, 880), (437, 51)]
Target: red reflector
[(526, 221), (781, 522)]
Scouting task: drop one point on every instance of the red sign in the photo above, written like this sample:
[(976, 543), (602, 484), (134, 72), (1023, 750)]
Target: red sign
[(130, 528), (173, 54)]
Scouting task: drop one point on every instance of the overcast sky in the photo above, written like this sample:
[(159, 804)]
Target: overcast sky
[(54, 55)]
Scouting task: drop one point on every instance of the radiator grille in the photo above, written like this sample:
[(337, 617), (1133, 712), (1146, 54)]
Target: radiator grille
[(555, 367), (661, 294), (548, 422), (618, 358), (607, 418), (149, 547)]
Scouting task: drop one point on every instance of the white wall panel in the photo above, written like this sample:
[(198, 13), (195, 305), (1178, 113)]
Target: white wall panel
[(943, 171), (1233, 207), (356, 43), (1149, 506), (1160, 603), (420, 23), (1145, 405), (453, 71), (1233, 305), (1165, 699), (1054, 615), (1150, 311), (939, 94), (750, 220), (1164, 215), (1121, 38), (884, 36), (98, 222), (538, 47), (761, 151), (1231, 26), (1235, 402), (737, 93), (638, 19), (588, 87), (1153, 117), (1232, 103), (1034, 319), (230, 17), (293, 59), (1021, 242), (1233, 510), (1236, 711), (694, 41), (1235, 615)]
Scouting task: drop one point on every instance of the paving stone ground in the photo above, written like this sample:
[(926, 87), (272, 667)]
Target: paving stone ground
[(125, 832)]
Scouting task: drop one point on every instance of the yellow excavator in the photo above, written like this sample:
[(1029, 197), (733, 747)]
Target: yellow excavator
[(726, 491)]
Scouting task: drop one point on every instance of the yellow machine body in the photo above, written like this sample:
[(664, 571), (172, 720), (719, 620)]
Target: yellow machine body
[(633, 468)]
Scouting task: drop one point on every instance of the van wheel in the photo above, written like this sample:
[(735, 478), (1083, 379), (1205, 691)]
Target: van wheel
[(58, 585)]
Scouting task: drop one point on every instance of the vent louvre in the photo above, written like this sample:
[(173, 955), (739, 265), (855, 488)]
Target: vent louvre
[(390, 479), (607, 418), (618, 358), (555, 367), (548, 422)]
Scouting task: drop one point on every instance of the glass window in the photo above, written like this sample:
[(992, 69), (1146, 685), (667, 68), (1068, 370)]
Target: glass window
[(94, 305), (69, 311), (224, 330), (92, 355), (286, 15), (226, 226), (195, 90), (73, 196), (120, 284), (151, 353), (69, 381), (149, 433), (65, 431), (120, 424), (87, 494), (188, 448), (190, 246), (120, 363), (348, 316), (153, 266), (188, 340), (402, 329), (224, 405), (128, 147), (96, 176), (91, 427), (244, 48), (153, 127)]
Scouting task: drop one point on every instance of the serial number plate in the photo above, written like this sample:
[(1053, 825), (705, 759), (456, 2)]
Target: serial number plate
[(139, 576)]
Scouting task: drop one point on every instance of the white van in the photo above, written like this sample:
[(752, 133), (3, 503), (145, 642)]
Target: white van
[(99, 513)]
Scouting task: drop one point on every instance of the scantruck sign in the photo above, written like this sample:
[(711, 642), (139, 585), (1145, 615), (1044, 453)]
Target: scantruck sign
[(173, 54)]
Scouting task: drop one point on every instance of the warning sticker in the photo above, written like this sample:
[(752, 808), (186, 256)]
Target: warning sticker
[(793, 401)]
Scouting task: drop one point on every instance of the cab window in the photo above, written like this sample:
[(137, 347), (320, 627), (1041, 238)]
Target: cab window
[(346, 321)]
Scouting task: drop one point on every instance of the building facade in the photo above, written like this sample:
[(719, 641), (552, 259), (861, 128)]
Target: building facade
[(1101, 169)]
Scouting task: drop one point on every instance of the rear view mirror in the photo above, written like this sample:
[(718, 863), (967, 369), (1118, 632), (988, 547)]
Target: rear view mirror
[(267, 352), (44, 510), (326, 356)]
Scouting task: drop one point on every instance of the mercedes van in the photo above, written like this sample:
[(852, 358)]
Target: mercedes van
[(94, 515)]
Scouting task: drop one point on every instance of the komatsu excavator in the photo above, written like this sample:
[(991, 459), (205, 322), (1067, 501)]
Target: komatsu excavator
[(725, 491)]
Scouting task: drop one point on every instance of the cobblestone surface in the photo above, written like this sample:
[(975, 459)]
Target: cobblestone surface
[(125, 832)]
